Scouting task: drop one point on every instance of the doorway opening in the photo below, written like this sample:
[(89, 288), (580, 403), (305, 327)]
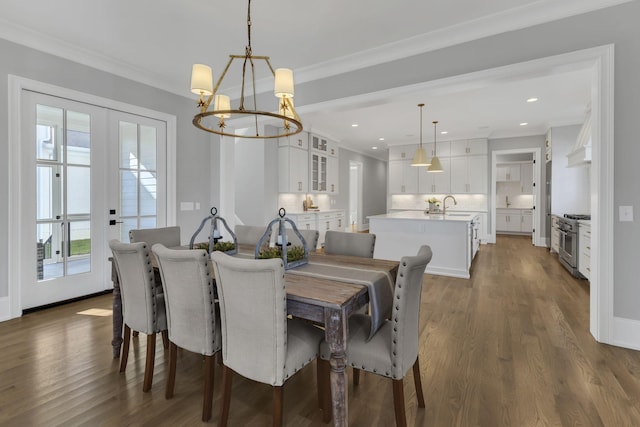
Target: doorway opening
[(355, 196)]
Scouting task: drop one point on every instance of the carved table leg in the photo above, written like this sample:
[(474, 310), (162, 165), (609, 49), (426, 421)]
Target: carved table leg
[(117, 312), (336, 337)]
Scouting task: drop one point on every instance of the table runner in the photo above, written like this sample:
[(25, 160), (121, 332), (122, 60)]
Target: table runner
[(379, 284)]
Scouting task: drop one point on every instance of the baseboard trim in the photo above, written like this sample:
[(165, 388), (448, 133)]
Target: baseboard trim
[(5, 309), (626, 333)]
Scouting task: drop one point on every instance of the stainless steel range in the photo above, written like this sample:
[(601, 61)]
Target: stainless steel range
[(568, 252)]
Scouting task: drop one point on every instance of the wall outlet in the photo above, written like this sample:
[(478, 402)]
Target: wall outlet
[(625, 213)]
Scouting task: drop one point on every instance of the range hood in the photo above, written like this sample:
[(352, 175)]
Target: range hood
[(580, 154)]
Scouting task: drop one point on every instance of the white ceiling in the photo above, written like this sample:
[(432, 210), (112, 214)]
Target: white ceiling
[(156, 41)]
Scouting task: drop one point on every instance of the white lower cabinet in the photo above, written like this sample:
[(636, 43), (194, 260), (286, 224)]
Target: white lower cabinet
[(526, 221), (321, 221), (514, 220), (555, 234), (508, 220), (584, 248)]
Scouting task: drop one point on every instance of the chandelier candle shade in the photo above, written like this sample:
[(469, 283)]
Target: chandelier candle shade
[(436, 166), (202, 85), (419, 158)]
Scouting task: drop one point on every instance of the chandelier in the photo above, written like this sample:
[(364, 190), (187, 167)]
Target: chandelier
[(202, 85)]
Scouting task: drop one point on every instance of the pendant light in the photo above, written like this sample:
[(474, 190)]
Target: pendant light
[(420, 158), (436, 166)]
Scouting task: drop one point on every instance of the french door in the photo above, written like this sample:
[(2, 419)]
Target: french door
[(86, 171)]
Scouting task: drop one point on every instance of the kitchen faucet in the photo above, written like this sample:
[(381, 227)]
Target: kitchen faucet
[(444, 203)]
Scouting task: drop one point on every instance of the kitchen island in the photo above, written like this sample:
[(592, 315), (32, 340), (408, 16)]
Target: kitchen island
[(453, 239)]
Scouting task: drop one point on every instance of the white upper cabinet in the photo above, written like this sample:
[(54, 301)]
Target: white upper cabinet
[(508, 172), (469, 147), (435, 182), (526, 178), (332, 175), (403, 178), (469, 175), (402, 152), (300, 140), (323, 165), (293, 170), (443, 149)]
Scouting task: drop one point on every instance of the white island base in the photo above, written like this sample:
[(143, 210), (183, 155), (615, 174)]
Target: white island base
[(451, 238)]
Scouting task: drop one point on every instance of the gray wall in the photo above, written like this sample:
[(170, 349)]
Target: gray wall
[(615, 25), (374, 185), (193, 176)]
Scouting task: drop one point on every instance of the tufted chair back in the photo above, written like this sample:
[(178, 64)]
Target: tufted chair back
[(310, 236), (405, 316), (143, 307), (354, 244), (168, 236), (188, 291), (249, 234)]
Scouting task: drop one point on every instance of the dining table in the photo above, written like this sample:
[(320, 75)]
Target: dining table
[(328, 299)]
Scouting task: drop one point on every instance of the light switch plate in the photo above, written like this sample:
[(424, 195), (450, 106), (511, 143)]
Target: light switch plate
[(625, 213), (186, 206)]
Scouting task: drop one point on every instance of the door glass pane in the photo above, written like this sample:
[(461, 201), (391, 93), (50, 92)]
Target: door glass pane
[(79, 247), (148, 222), (79, 190), (78, 138), (148, 140), (127, 224), (49, 183), (49, 256), (148, 193), (128, 193), (138, 176), (128, 145), (49, 139)]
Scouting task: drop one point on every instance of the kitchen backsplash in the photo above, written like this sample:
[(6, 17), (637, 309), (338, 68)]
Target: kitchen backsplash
[(293, 202), (472, 202)]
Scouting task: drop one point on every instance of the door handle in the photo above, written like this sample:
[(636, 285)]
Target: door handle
[(114, 222)]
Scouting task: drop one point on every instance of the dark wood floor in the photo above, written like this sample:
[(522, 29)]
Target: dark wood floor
[(510, 347)]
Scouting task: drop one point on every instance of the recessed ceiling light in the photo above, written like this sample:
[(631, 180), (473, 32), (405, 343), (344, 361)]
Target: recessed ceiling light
[(444, 132), (374, 148), (532, 99), (524, 124), (355, 125), (380, 139)]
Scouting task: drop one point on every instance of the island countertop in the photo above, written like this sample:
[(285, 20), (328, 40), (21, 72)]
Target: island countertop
[(422, 216)]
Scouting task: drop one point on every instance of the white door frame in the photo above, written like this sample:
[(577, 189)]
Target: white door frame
[(14, 245), (536, 152)]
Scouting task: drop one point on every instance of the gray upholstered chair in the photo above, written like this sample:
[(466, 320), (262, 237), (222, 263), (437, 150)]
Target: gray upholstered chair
[(311, 237), (168, 236), (249, 234), (143, 306), (354, 244), (393, 350), (191, 313), (258, 341)]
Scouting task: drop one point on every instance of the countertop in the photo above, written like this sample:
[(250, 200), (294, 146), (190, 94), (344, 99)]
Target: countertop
[(421, 216), (314, 211)]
